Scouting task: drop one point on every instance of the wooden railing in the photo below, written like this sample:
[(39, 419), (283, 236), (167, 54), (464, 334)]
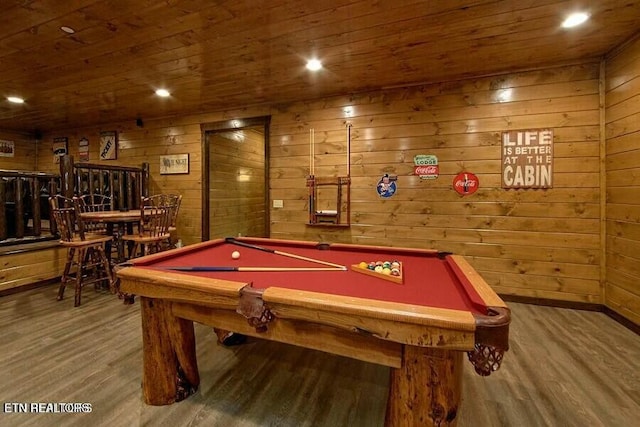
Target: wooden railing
[(24, 204), (125, 185), (24, 195)]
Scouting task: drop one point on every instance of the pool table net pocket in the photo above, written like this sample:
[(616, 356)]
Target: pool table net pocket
[(485, 359), (254, 309), (491, 340)]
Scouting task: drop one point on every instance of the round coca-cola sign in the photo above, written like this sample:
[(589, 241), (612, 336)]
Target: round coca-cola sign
[(465, 183)]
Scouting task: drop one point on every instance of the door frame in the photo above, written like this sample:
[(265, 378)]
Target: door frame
[(226, 126)]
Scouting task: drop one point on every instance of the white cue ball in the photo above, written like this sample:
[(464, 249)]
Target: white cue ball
[(235, 255)]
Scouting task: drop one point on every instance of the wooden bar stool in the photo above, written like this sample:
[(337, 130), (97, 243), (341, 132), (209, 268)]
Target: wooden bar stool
[(172, 203), (99, 203), (85, 252), (153, 229), (175, 201), (94, 203)]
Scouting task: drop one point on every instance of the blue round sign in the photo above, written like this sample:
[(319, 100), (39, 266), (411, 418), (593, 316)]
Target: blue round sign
[(386, 186)]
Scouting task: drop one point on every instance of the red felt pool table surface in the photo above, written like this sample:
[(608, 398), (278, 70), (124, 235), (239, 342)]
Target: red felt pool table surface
[(429, 278)]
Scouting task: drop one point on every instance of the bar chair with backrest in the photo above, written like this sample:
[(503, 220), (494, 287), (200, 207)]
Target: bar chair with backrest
[(85, 251), (99, 203), (176, 200), (153, 229), (172, 203), (94, 203)]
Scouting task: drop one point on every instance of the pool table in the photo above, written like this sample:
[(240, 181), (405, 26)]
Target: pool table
[(308, 294)]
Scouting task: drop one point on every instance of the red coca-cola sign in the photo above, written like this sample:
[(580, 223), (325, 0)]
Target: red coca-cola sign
[(466, 183), (427, 171)]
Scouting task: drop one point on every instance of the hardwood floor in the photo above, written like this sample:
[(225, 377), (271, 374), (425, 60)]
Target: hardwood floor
[(565, 368)]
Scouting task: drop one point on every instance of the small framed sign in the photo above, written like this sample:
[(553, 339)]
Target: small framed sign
[(83, 149), (7, 148), (108, 145), (174, 164), (527, 158), (59, 148)]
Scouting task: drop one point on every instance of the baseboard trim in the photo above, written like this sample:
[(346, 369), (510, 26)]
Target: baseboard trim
[(575, 305), (622, 320)]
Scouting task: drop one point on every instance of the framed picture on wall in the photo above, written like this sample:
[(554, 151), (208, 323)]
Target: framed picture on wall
[(7, 148), (83, 149), (60, 148), (174, 164), (108, 145)]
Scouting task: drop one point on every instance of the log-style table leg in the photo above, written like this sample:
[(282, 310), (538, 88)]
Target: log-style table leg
[(170, 369), (426, 390)]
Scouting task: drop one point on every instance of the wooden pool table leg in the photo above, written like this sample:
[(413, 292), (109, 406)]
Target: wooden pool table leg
[(170, 370), (426, 390)]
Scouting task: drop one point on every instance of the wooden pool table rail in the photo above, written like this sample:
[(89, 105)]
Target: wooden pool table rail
[(401, 323)]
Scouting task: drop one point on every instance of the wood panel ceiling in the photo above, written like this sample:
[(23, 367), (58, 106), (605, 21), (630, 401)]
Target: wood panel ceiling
[(221, 54)]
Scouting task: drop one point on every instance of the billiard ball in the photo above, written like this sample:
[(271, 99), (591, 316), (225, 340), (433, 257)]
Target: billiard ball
[(235, 255)]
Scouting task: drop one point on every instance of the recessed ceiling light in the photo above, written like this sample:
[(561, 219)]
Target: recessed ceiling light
[(15, 99), (163, 93), (575, 19), (314, 65), (67, 30)]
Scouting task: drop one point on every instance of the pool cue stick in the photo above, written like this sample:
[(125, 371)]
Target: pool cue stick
[(348, 149), (312, 140), (287, 254), (261, 269), (312, 181)]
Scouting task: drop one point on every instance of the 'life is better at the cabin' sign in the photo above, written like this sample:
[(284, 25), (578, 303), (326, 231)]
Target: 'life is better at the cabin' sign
[(527, 158)]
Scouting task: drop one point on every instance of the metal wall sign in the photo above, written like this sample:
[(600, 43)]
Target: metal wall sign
[(466, 183), (386, 186), (426, 166), (527, 158)]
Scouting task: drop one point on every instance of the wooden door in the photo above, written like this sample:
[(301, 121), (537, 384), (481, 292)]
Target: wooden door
[(235, 196)]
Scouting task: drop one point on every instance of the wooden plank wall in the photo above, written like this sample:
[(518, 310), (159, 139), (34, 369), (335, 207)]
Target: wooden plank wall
[(622, 287), (537, 243), (25, 147), (24, 268)]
